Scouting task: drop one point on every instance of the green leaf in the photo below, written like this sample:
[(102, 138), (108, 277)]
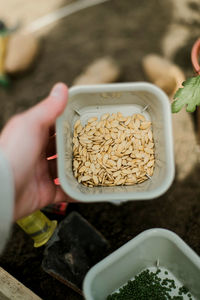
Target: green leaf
[(188, 95), (4, 81), (4, 32)]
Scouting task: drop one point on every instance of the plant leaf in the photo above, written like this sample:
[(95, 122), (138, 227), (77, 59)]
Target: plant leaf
[(188, 95)]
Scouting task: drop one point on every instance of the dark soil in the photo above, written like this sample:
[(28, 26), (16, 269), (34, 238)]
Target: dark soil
[(127, 30)]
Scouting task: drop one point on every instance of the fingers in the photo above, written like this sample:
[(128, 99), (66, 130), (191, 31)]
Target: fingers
[(55, 103), (46, 112), (59, 192), (51, 147), (61, 196), (52, 130), (52, 164)]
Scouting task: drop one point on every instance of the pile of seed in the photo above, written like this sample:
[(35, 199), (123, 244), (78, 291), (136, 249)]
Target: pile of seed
[(148, 286), (114, 150)]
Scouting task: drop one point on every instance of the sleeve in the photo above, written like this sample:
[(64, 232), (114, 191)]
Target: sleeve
[(7, 192)]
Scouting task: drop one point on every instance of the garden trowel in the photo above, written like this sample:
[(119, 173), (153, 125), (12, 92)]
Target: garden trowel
[(71, 248)]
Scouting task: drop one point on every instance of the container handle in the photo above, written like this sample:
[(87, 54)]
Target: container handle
[(195, 56)]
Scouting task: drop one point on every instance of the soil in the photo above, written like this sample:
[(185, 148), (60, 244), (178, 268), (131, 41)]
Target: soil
[(126, 30)]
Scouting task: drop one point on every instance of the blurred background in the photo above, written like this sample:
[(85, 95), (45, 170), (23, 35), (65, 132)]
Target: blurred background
[(126, 31)]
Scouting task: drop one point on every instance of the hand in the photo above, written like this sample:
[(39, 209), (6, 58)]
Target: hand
[(25, 142)]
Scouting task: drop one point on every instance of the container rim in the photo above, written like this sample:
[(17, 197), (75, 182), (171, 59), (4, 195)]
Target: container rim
[(122, 86)]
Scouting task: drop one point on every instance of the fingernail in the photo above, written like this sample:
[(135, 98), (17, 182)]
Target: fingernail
[(57, 92)]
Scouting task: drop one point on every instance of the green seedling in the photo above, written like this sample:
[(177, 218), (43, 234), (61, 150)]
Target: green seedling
[(188, 95)]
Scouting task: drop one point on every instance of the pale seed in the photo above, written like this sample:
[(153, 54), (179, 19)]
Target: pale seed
[(76, 164), (82, 169), (85, 178), (119, 163), (93, 119), (104, 116), (79, 128), (145, 125), (150, 164), (95, 178), (78, 122)]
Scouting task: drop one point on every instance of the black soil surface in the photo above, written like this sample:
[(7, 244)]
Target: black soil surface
[(127, 30)]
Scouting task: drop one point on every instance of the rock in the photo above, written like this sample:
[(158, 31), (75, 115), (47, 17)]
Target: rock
[(103, 70), (21, 52)]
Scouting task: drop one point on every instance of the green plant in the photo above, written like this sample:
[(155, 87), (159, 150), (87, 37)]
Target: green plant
[(188, 95)]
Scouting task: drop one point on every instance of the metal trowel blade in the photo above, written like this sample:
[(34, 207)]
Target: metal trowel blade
[(73, 249)]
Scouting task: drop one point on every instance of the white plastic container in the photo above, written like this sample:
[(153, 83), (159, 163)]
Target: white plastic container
[(127, 98), (144, 251)]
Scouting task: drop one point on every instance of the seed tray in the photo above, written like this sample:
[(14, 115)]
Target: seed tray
[(155, 247)]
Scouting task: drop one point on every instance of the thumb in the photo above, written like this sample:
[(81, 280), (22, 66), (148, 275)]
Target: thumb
[(50, 108)]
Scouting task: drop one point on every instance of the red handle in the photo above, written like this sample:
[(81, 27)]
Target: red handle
[(195, 56), (56, 180)]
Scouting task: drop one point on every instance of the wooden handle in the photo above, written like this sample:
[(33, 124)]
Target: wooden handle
[(12, 289)]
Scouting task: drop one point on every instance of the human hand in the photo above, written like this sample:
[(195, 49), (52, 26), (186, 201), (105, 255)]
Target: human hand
[(26, 142)]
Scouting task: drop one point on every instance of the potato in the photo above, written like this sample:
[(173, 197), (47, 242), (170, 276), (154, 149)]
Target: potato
[(163, 73), (167, 84), (155, 67), (103, 70), (21, 52)]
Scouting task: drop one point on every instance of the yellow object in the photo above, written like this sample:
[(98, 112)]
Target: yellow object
[(21, 52), (39, 227), (3, 46)]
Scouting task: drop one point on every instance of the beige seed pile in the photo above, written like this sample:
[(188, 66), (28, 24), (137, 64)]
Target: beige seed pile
[(114, 150)]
